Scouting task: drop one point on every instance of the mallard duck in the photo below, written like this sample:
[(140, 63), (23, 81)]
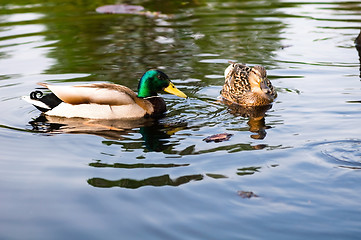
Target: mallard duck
[(247, 86), (105, 100)]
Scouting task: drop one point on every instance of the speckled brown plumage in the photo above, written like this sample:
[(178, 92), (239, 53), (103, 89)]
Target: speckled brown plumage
[(247, 86)]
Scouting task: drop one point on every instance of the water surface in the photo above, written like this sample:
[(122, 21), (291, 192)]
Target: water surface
[(159, 179)]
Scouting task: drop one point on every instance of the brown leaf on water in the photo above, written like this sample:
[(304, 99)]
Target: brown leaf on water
[(245, 194), (120, 9), (218, 137), (129, 9)]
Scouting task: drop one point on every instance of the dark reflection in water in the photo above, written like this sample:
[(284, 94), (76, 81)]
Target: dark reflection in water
[(136, 165), (156, 138), (256, 116), (358, 48), (247, 170), (157, 181), (155, 135)]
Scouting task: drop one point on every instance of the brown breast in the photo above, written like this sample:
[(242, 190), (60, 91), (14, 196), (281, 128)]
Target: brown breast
[(159, 106)]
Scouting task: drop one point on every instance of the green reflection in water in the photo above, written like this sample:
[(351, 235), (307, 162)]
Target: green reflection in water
[(216, 176), (119, 48), (158, 181), (136, 165), (247, 170)]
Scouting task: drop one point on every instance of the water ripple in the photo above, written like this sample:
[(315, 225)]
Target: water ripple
[(344, 153)]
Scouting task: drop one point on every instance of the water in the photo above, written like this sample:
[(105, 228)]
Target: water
[(160, 180)]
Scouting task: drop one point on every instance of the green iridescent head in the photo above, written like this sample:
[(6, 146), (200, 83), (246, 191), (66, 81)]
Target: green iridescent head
[(154, 81)]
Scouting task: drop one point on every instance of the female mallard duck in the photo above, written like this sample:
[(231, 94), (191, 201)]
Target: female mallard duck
[(105, 100), (247, 86)]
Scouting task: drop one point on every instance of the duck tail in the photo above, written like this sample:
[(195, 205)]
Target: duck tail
[(42, 102)]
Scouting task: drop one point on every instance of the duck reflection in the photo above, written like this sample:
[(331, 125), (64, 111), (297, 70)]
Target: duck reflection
[(255, 115), (155, 135), (358, 48)]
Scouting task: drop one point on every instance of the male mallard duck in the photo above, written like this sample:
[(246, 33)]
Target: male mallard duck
[(105, 100), (247, 86)]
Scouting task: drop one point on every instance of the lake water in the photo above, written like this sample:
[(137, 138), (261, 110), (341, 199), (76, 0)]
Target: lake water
[(160, 180)]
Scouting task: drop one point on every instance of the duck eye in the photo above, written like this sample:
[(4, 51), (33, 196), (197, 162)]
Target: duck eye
[(256, 72)]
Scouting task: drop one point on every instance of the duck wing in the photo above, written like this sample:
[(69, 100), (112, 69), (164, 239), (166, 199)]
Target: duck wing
[(241, 74), (236, 81), (101, 93)]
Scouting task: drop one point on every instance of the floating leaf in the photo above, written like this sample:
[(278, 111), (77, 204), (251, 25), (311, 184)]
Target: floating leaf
[(120, 9), (218, 137), (245, 194), (129, 9)]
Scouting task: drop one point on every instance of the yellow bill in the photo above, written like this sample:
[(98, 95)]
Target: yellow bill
[(173, 90)]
